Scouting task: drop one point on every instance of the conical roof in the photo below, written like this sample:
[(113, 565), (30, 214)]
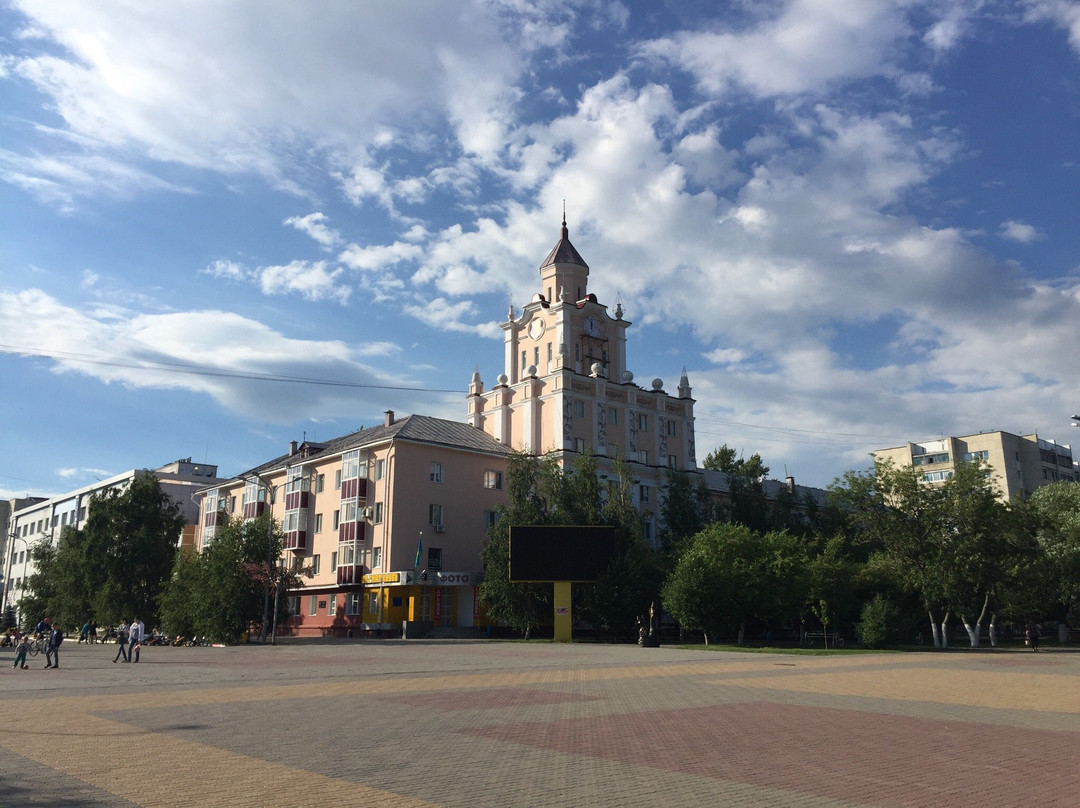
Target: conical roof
[(564, 252)]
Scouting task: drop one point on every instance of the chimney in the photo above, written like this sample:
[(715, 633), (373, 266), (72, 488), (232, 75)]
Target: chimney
[(790, 484), (293, 446), (389, 420)]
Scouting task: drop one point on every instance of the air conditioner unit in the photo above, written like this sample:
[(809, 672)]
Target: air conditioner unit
[(366, 512), (440, 528)]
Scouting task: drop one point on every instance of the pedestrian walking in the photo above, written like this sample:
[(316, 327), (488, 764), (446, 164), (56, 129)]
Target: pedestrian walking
[(84, 633), (121, 641), (52, 650), (1033, 636), (93, 631), (135, 637)]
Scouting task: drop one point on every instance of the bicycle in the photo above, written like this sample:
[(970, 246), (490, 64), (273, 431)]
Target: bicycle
[(38, 644)]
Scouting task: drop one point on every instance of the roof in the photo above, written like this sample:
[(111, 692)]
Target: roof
[(414, 428), (563, 252)]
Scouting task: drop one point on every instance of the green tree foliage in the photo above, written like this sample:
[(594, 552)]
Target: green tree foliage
[(730, 574), (685, 509), (115, 565), (522, 606), (541, 493), (953, 544), (746, 496), (215, 593), (1055, 509)]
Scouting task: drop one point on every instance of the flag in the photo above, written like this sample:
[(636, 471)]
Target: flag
[(419, 549)]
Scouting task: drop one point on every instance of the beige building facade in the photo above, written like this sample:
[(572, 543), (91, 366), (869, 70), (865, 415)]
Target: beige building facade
[(388, 520), (566, 387), (1019, 463)]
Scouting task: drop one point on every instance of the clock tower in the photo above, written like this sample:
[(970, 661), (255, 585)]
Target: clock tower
[(566, 388)]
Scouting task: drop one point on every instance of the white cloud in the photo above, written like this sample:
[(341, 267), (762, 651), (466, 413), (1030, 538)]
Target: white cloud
[(805, 47), (211, 352), (315, 226), (312, 280), (1064, 13), (1020, 231)]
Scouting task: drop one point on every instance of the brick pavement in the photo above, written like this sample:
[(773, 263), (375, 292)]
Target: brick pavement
[(416, 723)]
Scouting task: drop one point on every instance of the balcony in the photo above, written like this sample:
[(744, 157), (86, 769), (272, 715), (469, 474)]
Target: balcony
[(349, 532), (355, 488), (253, 509), (350, 574), (295, 539), (295, 500)]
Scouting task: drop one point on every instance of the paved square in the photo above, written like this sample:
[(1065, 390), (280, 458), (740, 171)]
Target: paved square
[(474, 724)]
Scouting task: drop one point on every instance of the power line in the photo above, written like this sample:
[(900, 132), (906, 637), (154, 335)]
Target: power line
[(202, 370)]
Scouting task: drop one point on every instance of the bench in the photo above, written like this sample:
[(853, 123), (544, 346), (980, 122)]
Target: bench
[(835, 640)]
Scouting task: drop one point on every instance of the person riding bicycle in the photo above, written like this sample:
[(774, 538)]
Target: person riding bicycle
[(44, 628)]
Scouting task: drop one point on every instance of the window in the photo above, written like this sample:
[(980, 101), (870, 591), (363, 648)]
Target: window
[(536, 356), (493, 479), (318, 523), (579, 444), (292, 606), (434, 558), (673, 461), (337, 519), (320, 481), (436, 475), (643, 422), (352, 603), (331, 605), (313, 604), (491, 518), (376, 513), (380, 468), (315, 559), (579, 408), (337, 480), (613, 416), (983, 455), (643, 456), (549, 351), (373, 603), (936, 476), (648, 530), (435, 514), (524, 360), (643, 493), (376, 558), (927, 459), (672, 429), (333, 561), (350, 465)]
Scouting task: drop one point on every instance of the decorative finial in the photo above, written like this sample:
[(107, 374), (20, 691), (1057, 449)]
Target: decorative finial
[(510, 313), (565, 232), (618, 306)]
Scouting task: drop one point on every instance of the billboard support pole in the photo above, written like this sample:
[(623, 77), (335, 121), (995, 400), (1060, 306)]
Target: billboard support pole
[(564, 621)]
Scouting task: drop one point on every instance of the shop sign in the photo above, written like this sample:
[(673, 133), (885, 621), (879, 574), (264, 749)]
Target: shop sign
[(453, 578), (382, 578)]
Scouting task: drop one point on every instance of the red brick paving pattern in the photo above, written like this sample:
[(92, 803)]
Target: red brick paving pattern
[(862, 757), (494, 699)]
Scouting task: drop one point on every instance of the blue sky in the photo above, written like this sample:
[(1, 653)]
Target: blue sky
[(853, 222)]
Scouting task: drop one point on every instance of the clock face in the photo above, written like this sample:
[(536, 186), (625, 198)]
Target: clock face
[(536, 329), (592, 326)]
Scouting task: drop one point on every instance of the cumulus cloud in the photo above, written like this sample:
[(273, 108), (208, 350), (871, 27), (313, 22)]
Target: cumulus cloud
[(1020, 231), (315, 226)]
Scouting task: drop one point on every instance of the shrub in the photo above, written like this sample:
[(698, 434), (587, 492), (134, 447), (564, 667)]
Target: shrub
[(873, 628)]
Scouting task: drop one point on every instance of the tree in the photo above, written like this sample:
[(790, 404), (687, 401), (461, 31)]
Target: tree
[(952, 543), (747, 504), (215, 593), (730, 574), (520, 605), (1056, 510), (129, 544), (685, 509)]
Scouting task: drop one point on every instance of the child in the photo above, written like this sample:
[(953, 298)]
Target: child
[(20, 653)]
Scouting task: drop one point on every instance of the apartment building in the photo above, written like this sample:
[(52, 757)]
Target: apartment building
[(390, 520), (1019, 463), (38, 519)]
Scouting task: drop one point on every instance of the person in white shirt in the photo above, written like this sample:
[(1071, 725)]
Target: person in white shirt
[(135, 638)]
